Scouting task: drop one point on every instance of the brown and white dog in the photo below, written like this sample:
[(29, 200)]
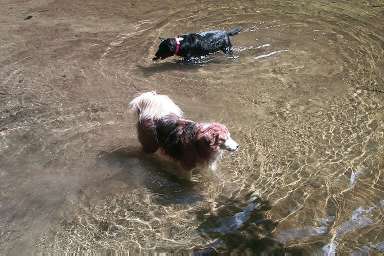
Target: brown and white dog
[(161, 126)]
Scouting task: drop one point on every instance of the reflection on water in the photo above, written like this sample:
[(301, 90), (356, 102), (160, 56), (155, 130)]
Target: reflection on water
[(303, 93)]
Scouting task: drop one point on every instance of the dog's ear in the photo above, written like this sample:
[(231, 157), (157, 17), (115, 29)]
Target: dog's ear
[(212, 139), (212, 135), (162, 39), (209, 138)]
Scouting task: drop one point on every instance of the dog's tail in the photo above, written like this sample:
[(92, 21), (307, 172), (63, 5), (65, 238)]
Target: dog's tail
[(234, 31), (140, 102), (151, 105)]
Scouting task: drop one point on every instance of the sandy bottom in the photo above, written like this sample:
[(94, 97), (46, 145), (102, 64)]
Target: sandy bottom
[(303, 94)]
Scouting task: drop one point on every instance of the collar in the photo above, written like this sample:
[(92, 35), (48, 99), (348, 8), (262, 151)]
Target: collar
[(178, 47)]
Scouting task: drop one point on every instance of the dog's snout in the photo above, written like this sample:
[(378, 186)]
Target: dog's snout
[(231, 145)]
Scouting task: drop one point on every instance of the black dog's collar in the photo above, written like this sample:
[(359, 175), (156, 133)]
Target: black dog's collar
[(178, 47)]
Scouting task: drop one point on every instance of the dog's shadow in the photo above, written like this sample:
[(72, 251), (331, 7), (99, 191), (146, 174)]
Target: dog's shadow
[(177, 65), (241, 224), (139, 169)]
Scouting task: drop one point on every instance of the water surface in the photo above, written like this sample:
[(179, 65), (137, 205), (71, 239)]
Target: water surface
[(303, 94)]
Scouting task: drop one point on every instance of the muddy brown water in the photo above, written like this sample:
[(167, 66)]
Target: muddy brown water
[(303, 94)]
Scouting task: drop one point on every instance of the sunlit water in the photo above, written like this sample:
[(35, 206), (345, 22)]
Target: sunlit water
[(303, 94)]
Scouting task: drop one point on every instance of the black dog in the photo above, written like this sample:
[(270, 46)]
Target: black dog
[(196, 44)]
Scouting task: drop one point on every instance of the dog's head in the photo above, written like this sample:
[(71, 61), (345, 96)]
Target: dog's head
[(216, 136), (142, 101), (166, 49)]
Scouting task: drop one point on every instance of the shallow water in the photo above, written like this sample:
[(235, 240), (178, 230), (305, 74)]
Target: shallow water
[(303, 94)]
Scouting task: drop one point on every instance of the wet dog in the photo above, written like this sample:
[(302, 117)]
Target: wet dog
[(196, 44), (161, 126)]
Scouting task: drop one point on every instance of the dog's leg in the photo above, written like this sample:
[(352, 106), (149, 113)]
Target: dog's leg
[(147, 136), (188, 60), (214, 163), (227, 47), (213, 167), (227, 50)]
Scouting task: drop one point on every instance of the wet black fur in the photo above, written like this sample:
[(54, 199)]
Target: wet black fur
[(197, 44)]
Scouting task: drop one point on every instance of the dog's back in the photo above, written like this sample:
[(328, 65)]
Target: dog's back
[(150, 105), (196, 44), (219, 33), (176, 137), (207, 42)]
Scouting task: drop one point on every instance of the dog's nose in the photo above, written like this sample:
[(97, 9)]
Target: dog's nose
[(231, 145), (235, 148)]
